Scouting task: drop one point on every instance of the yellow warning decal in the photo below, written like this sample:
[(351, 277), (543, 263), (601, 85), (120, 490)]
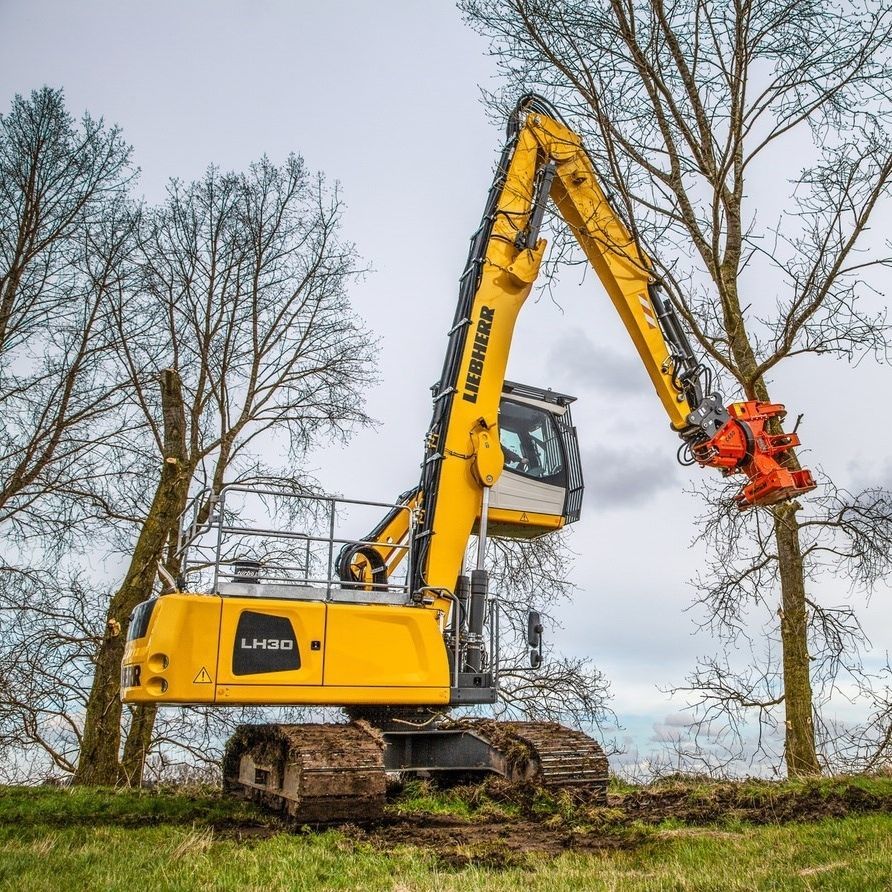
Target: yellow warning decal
[(203, 677), (524, 518)]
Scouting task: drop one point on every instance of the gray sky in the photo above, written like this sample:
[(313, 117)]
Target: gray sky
[(383, 96)]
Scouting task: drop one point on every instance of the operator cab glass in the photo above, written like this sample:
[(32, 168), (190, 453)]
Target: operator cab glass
[(531, 443), (540, 488)]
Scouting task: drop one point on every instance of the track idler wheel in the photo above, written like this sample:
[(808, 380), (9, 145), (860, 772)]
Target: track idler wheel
[(547, 754)]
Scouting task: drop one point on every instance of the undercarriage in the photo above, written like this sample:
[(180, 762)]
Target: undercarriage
[(335, 773)]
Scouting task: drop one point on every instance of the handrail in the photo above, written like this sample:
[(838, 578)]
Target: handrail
[(215, 546)]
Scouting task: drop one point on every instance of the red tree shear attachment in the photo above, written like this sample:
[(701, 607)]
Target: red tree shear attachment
[(742, 445)]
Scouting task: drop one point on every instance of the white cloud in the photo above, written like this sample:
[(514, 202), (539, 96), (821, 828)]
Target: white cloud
[(609, 371)]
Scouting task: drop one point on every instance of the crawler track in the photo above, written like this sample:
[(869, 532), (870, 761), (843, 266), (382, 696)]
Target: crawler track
[(318, 774), (324, 774), (557, 757)]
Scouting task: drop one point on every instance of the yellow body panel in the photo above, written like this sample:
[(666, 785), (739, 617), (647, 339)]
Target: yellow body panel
[(380, 645), (328, 695), (366, 654), (522, 524), (184, 634)]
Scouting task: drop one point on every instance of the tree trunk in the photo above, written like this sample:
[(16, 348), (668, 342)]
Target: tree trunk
[(98, 762), (800, 753), (799, 750), (139, 738)]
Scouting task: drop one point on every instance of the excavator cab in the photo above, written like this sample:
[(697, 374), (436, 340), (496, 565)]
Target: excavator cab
[(541, 486)]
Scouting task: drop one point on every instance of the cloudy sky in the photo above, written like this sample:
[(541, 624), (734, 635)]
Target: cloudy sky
[(384, 97)]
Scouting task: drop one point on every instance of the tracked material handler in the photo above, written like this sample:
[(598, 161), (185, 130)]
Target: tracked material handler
[(500, 459)]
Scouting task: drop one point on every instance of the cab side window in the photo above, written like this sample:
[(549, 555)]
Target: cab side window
[(531, 443)]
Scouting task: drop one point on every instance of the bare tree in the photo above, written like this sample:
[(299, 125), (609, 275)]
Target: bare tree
[(533, 574), (49, 635), (244, 313), (868, 746), (696, 116), (67, 233), (846, 537)]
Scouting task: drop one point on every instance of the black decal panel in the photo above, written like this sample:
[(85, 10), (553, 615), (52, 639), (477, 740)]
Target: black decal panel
[(264, 643), (478, 354)]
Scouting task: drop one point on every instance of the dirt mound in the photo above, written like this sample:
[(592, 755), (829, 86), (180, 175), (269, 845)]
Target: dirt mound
[(758, 804)]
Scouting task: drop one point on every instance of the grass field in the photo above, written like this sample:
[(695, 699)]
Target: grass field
[(649, 839)]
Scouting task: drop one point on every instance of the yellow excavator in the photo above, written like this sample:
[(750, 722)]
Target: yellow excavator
[(399, 626)]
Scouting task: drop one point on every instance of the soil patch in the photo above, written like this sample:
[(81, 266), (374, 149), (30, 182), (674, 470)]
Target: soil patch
[(763, 804), (549, 826), (495, 843)]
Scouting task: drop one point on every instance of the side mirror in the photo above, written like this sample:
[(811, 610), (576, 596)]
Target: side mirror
[(534, 629), (534, 638)]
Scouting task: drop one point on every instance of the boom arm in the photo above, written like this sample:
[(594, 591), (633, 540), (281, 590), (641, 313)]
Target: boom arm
[(463, 459), (731, 438)]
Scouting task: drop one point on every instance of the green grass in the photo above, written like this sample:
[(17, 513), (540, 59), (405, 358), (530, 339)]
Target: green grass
[(99, 839), (49, 806), (474, 804)]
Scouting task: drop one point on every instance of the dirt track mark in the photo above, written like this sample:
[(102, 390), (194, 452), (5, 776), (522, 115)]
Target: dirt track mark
[(731, 801), (493, 843)]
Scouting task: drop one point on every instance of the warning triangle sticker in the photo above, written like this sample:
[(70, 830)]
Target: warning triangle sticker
[(524, 518), (203, 677)]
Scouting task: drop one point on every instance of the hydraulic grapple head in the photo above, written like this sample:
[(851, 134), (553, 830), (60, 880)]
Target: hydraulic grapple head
[(743, 445)]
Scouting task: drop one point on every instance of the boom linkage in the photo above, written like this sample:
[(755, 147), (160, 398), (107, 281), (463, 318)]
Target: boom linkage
[(733, 438), (544, 160)]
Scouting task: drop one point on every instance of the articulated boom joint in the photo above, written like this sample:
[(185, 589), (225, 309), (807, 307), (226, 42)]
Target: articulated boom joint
[(743, 445)]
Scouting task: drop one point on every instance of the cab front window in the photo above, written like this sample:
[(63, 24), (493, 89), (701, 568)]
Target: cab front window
[(530, 443)]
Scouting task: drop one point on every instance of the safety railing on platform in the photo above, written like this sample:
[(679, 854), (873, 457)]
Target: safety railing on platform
[(235, 542)]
